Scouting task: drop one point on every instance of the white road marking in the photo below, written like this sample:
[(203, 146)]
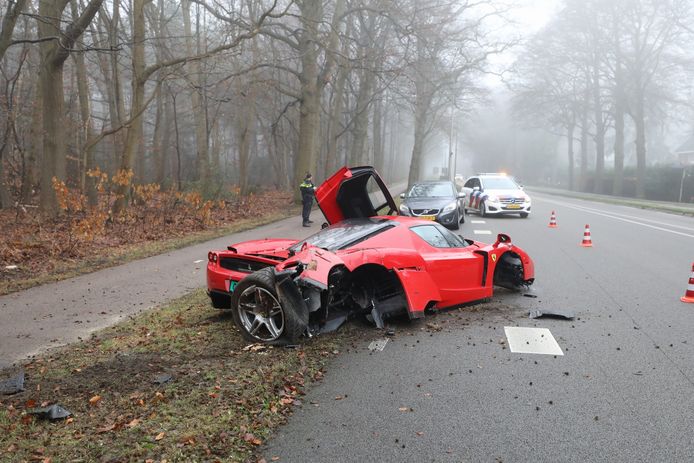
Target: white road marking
[(623, 219), (477, 221), (198, 261), (378, 345), (482, 232), (523, 340)]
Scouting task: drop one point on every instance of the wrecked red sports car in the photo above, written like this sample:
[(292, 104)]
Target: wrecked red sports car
[(366, 261)]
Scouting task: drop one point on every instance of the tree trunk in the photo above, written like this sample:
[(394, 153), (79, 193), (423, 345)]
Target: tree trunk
[(640, 123), (116, 100), (53, 55), (246, 135), (135, 131), (336, 118), (570, 151), (199, 111), (618, 181), (583, 169), (422, 104), (599, 134), (51, 81), (34, 150), (158, 138), (309, 110), (379, 162), (87, 184)]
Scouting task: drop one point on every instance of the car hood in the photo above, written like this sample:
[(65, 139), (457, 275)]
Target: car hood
[(350, 193), (428, 203)]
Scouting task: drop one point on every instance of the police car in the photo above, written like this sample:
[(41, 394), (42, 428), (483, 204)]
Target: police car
[(494, 194)]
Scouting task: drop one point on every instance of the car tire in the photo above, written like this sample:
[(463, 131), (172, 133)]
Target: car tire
[(462, 216), (258, 313), (524, 215), (483, 209)]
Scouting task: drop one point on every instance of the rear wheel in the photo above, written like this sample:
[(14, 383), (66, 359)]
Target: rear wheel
[(258, 313)]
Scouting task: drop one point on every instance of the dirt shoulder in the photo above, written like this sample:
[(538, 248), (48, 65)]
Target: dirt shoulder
[(223, 399)]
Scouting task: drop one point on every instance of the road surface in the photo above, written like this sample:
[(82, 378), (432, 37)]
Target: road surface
[(623, 390)]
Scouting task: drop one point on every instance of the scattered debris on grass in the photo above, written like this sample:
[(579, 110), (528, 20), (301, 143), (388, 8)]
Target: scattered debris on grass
[(162, 379), (13, 384), (53, 412)]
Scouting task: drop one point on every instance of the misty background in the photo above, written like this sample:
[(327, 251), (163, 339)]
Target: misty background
[(237, 96)]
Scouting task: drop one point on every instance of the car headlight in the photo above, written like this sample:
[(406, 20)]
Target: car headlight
[(450, 207), (404, 209), (526, 199)]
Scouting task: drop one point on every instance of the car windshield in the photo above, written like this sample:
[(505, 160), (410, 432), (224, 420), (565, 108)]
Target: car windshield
[(430, 190), (438, 236), (499, 183), (345, 234)]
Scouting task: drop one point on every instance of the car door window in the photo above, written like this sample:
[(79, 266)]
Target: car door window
[(470, 183), (377, 198)]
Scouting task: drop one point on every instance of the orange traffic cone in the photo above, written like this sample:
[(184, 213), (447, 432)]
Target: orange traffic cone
[(552, 221), (689, 295), (587, 242)]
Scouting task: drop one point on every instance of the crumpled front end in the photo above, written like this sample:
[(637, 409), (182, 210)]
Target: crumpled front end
[(333, 291)]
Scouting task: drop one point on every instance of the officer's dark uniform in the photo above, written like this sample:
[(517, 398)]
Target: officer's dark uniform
[(307, 189)]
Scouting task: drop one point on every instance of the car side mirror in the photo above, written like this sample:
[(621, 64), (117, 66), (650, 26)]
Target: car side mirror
[(402, 195)]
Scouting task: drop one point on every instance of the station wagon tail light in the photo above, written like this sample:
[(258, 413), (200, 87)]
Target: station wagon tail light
[(212, 257)]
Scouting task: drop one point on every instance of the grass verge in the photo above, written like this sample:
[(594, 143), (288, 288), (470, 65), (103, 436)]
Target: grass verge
[(108, 258), (222, 403)]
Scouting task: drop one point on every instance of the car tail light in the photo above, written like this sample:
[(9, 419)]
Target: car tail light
[(212, 257)]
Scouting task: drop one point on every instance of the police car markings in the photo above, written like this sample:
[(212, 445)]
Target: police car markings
[(482, 232)]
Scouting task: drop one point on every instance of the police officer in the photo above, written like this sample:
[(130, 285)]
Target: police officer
[(307, 190)]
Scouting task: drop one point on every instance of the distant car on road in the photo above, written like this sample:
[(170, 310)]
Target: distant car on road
[(439, 201), (495, 193)]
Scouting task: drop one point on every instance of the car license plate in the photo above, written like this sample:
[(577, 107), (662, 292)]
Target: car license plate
[(232, 285), (427, 217), (513, 206)]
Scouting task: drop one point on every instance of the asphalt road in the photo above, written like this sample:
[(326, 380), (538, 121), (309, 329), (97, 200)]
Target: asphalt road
[(59, 313), (622, 391)]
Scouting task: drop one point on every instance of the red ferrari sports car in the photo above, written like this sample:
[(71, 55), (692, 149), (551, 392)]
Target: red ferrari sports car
[(368, 261)]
